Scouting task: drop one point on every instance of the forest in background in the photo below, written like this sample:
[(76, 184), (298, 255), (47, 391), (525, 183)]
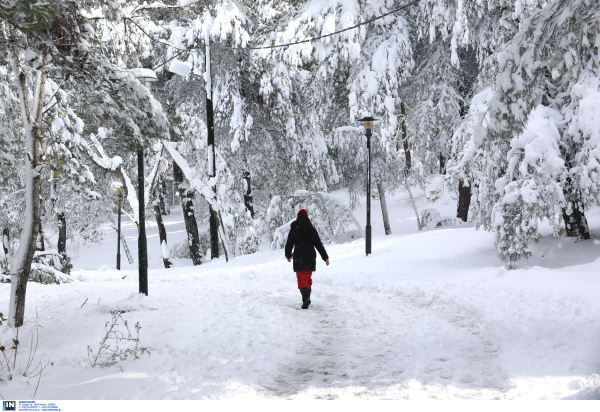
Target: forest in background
[(499, 97)]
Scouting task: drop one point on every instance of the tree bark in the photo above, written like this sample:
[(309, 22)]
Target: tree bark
[(188, 215), (407, 157), (384, 211), (41, 247), (442, 164), (62, 234), (464, 201), (21, 261), (248, 196), (6, 241), (575, 223), (60, 217), (214, 233), (162, 190), (162, 234), (212, 165)]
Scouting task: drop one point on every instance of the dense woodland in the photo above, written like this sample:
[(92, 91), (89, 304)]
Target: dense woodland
[(502, 98)]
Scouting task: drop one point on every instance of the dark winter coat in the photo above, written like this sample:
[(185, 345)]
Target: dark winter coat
[(303, 238)]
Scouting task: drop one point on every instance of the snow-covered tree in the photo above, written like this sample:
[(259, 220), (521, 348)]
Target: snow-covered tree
[(55, 53), (437, 95)]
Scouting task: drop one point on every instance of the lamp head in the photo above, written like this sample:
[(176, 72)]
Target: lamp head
[(368, 123), (144, 75)]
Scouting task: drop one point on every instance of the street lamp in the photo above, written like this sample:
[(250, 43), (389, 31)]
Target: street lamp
[(368, 123), (118, 186), (143, 75)]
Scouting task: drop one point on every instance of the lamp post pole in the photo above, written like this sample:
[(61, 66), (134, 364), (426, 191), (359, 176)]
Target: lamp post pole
[(143, 75), (142, 241), (119, 203), (368, 228), (368, 123)]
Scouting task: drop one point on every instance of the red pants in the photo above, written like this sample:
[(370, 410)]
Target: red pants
[(304, 279)]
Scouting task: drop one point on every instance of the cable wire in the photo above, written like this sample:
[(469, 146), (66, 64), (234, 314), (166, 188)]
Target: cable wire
[(287, 44)]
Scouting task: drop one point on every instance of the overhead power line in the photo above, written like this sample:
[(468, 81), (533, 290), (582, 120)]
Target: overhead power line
[(337, 32), (279, 45)]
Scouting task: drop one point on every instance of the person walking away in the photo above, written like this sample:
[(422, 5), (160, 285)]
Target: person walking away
[(303, 239)]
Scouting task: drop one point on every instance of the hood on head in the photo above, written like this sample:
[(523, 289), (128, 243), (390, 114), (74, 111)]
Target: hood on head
[(302, 213)]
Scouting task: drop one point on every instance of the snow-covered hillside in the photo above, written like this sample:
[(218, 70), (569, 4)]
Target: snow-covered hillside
[(430, 314)]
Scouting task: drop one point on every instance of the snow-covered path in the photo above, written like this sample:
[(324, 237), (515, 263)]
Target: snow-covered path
[(362, 344)]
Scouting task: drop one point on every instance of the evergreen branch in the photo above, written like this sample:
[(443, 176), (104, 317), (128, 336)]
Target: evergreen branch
[(287, 44)]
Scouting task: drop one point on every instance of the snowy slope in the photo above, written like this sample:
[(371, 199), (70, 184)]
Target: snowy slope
[(429, 314)]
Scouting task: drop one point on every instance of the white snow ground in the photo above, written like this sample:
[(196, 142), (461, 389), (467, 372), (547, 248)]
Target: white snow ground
[(430, 314)]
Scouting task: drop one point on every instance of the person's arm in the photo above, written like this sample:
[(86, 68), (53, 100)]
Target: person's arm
[(289, 245), (320, 248)]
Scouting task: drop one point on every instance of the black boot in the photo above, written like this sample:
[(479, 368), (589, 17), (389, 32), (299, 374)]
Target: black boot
[(305, 297)]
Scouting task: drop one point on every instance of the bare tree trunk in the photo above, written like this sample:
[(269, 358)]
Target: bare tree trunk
[(6, 241), (575, 222), (62, 234), (162, 190), (60, 217), (162, 234), (41, 246), (214, 233), (412, 200), (188, 215), (224, 240), (248, 196), (384, 211), (21, 262), (442, 164), (407, 157), (212, 160), (464, 201)]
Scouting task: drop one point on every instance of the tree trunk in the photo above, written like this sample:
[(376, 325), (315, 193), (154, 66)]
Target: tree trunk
[(6, 241), (384, 211), (60, 216), (214, 233), (575, 222), (41, 246), (407, 157), (464, 201), (21, 261), (248, 196), (442, 164), (188, 215), (62, 234), (212, 165), (162, 234), (162, 190)]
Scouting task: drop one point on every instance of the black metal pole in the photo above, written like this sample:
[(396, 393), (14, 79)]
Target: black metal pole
[(119, 203), (142, 243), (368, 228)]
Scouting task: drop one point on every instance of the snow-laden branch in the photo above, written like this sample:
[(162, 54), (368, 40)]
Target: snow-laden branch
[(280, 235), (60, 277), (204, 189), (115, 166), (151, 181)]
